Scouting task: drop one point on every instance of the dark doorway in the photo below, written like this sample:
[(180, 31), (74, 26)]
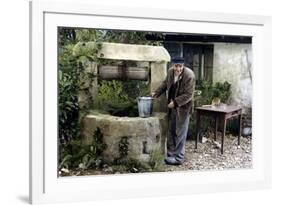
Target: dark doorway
[(198, 57)]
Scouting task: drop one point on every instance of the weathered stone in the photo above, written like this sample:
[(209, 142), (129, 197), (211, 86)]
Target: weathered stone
[(92, 68), (120, 51), (143, 64), (232, 63), (88, 85), (158, 75), (163, 118), (133, 52), (84, 81), (142, 134), (83, 99)]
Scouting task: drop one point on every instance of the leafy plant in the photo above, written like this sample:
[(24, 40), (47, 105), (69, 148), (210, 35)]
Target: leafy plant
[(98, 144), (110, 93), (131, 37), (66, 36), (119, 98), (71, 64), (77, 155), (123, 147), (68, 101), (204, 94), (84, 35), (210, 91), (125, 165), (156, 160)]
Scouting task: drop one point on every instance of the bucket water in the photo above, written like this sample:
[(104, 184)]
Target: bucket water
[(145, 106)]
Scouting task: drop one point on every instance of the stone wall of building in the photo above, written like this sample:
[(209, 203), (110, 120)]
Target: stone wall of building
[(233, 63)]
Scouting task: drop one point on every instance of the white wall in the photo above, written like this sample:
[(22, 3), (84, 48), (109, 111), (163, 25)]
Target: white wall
[(232, 63)]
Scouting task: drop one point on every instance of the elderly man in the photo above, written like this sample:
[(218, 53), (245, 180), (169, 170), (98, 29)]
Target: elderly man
[(180, 84)]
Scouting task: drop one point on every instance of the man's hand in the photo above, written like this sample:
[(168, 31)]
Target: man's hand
[(171, 104), (154, 95)]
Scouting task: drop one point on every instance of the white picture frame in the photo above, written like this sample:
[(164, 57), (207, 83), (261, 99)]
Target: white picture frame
[(46, 187)]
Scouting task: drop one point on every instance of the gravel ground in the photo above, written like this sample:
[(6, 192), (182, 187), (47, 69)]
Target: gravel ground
[(207, 156)]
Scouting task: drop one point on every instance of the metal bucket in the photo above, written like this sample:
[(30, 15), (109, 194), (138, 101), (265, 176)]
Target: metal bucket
[(145, 106)]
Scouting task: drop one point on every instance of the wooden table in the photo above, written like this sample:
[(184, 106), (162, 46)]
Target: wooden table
[(223, 113)]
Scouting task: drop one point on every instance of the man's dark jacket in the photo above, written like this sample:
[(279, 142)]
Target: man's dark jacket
[(184, 90)]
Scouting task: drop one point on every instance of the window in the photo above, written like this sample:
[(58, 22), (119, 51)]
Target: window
[(198, 57)]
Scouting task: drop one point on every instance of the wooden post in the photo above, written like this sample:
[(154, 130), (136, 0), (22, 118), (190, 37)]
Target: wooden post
[(216, 127), (239, 127), (223, 132)]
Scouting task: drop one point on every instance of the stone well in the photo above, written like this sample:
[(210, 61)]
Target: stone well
[(143, 135)]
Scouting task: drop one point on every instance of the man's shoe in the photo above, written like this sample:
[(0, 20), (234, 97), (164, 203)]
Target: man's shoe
[(172, 161)]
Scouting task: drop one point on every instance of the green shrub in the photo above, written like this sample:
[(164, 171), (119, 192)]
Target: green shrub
[(71, 63), (132, 37), (76, 155), (130, 165), (68, 98), (210, 91), (156, 160), (204, 94), (123, 147), (119, 98)]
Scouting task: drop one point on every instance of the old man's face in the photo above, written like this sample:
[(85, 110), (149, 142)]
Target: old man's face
[(178, 67)]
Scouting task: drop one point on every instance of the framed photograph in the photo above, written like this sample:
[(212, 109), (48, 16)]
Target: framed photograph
[(129, 102)]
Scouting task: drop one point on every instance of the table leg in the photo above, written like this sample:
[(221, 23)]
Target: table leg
[(223, 134), (239, 127), (216, 127), (197, 128)]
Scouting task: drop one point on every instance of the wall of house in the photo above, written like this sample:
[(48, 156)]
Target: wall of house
[(232, 63)]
